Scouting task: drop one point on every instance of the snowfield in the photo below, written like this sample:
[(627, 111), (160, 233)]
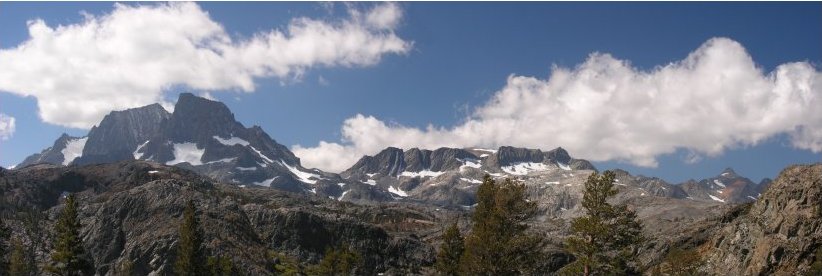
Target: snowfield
[(187, 152), (137, 154), (74, 149), (425, 173), (397, 191), (524, 168)]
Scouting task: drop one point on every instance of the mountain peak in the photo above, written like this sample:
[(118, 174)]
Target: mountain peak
[(198, 119), (728, 172), (187, 103), (120, 132)]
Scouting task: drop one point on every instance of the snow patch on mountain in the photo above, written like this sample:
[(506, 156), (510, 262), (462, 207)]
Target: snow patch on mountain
[(719, 183), (425, 173), (261, 155), (492, 151), (564, 166), (470, 163), (74, 149), (342, 195), (716, 198), (137, 154), (224, 160), (231, 141), (524, 168), (470, 180), (247, 169), (187, 152), (266, 182), (396, 191), (303, 176)]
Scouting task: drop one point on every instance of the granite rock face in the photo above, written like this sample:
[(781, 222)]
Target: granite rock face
[(776, 235), (120, 133)]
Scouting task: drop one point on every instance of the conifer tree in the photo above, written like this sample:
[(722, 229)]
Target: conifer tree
[(448, 257), (191, 259), (498, 243), (604, 239), (337, 262), (69, 257), (18, 262), (285, 265), (220, 266), (4, 237)]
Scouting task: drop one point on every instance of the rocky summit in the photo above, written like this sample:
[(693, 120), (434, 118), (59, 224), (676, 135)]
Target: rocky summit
[(135, 171)]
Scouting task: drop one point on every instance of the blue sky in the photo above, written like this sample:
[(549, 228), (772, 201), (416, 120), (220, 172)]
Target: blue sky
[(459, 56)]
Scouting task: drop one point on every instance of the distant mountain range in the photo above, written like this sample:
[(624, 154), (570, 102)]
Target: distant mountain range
[(203, 135)]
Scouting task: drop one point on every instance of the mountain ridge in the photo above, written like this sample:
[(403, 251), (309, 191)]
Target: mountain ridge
[(203, 135)]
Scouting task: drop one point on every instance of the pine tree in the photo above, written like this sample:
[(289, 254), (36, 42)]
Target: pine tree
[(285, 265), (498, 243), (604, 239), (220, 266), (4, 237), (448, 258), (190, 253), (337, 262), (18, 262), (69, 257)]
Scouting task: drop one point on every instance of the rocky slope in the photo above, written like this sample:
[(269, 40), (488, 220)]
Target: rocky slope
[(776, 235), (131, 210)]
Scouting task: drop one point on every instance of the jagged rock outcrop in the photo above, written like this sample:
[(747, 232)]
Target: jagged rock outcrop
[(776, 235), (56, 154)]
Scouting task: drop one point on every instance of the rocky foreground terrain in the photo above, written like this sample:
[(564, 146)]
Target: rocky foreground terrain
[(130, 211)]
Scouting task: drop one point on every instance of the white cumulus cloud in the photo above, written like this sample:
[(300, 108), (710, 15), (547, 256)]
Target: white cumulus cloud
[(129, 57), (604, 109), (7, 126)]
